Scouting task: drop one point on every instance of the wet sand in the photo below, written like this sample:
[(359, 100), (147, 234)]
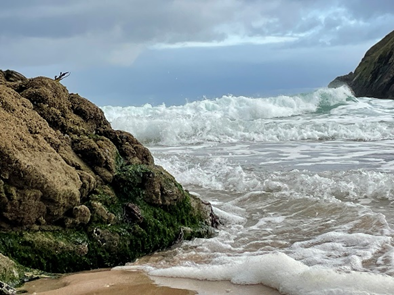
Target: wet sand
[(100, 282), (122, 282)]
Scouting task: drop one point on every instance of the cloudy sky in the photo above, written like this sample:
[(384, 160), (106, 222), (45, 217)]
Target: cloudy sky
[(132, 52)]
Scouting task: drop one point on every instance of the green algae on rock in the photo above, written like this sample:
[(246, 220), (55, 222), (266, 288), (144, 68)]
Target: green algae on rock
[(10, 271), (76, 194)]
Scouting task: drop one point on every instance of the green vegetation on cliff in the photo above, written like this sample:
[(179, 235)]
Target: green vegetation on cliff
[(374, 76)]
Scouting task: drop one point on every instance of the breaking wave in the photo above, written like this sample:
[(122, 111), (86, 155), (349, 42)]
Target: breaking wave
[(325, 114)]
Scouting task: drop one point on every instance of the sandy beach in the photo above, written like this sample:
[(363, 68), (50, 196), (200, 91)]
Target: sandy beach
[(121, 282)]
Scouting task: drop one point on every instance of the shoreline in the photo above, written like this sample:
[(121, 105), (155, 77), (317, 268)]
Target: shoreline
[(126, 282)]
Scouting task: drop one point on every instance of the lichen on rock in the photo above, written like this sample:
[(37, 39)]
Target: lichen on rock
[(76, 194)]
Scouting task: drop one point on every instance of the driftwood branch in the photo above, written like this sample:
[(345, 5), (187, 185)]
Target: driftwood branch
[(62, 76)]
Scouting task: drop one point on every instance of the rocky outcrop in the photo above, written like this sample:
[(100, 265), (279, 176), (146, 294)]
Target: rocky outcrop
[(76, 194), (374, 76)]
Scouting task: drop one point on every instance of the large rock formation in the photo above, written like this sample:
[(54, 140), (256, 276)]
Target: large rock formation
[(374, 76), (76, 194)]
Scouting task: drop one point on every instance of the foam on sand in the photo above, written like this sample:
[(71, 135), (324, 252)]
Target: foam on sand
[(286, 275)]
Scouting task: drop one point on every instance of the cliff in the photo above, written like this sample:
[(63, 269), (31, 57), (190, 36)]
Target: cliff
[(76, 194), (374, 76)]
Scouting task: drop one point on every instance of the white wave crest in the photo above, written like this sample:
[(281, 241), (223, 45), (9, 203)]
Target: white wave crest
[(231, 119)]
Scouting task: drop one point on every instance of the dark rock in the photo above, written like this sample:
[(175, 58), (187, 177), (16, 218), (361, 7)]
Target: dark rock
[(342, 80), (205, 210), (13, 76), (374, 76), (132, 213)]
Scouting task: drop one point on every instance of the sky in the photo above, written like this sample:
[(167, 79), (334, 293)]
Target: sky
[(136, 52)]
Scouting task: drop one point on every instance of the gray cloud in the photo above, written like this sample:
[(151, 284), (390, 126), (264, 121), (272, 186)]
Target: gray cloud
[(116, 32), (369, 10)]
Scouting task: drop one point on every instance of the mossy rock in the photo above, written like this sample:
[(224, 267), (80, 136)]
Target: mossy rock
[(100, 243), (76, 194), (10, 271)]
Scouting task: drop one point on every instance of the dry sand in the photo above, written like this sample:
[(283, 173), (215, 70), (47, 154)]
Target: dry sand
[(121, 282)]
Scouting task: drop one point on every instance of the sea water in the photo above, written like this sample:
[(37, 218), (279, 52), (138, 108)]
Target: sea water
[(303, 186)]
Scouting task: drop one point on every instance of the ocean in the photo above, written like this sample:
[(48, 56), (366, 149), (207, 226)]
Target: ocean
[(303, 185)]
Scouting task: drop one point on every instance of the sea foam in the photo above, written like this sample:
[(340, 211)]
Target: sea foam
[(283, 273), (228, 173)]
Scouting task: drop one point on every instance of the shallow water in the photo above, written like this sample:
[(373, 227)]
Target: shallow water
[(303, 186)]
